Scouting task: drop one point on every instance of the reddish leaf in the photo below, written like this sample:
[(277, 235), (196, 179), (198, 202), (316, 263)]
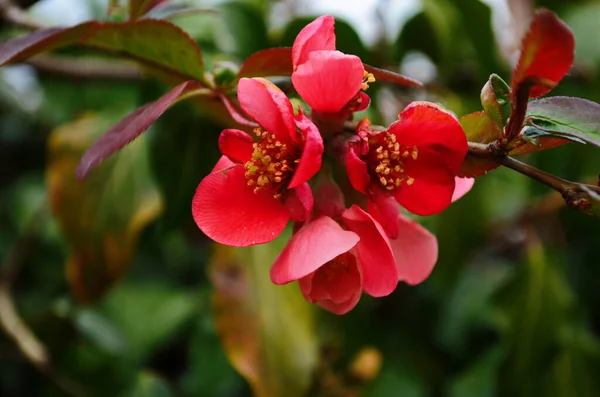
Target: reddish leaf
[(567, 117), (137, 8), (479, 128), (391, 77), (543, 143), (42, 40), (555, 121), (131, 127), (269, 62), (101, 229), (157, 43), (547, 53), (267, 331)]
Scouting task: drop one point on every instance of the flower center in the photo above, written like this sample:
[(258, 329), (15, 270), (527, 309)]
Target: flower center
[(340, 264), (387, 161), (271, 163), (367, 78)]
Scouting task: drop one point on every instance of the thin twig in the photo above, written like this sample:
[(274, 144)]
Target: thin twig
[(13, 325), (69, 67), (82, 69), (13, 14), (576, 195)]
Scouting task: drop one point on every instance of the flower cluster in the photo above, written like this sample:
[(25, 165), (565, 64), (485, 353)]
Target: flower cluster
[(350, 234)]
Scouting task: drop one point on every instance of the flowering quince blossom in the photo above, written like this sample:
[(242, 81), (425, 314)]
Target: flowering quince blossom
[(335, 253), (328, 80), (414, 161), (256, 188), (358, 255)]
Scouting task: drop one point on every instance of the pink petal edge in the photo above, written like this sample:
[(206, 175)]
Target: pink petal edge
[(316, 243)]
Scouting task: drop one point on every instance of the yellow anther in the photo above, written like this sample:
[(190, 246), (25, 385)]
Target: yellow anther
[(268, 163), (367, 78), (387, 159)]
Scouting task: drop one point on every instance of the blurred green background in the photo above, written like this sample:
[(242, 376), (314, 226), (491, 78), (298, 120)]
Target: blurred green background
[(109, 289)]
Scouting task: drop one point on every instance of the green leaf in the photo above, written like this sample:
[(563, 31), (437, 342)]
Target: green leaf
[(479, 380), (267, 330), (532, 308), (479, 128), (476, 20), (418, 34), (158, 44), (246, 24), (103, 217), (469, 304), (100, 330), (148, 314), (569, 118), (209, 373), (149, 385), (495, 98)]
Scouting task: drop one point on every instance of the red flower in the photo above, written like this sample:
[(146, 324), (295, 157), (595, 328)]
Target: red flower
[(256, 188), (328, 80), (415, 160), (338, 264), (334, 261)]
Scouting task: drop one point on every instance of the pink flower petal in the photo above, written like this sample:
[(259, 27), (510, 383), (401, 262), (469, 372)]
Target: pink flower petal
[(224, 162), (312, 153), (317, 35), (336, 290), (341, 308), (316, 243), (429, 127), (415, 250), (357, 170), (385, 209), (433, 186), (462, 187), (337, 280), (378, 265), (236, 144), (229, 212), (268, 105), (328, 80), (299, 202)]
